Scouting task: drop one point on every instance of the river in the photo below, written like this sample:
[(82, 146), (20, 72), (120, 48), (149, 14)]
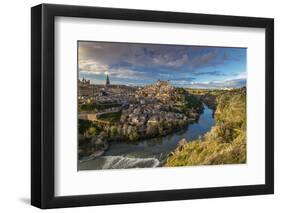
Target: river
[(150, 152)]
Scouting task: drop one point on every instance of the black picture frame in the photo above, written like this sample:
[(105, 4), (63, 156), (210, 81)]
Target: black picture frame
[(43, 102)]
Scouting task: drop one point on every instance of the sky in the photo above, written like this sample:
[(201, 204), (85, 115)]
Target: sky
[(141, 64)]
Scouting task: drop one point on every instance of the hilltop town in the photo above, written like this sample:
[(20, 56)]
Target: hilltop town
[(111, 113)]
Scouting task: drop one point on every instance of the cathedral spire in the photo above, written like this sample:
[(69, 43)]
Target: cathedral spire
[(107, 80)]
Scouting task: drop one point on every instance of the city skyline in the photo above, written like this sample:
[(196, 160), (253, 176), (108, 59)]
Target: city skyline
[(142, 64)]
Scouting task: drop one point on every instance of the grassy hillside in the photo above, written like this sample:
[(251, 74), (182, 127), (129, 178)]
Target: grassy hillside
[(225, 143)]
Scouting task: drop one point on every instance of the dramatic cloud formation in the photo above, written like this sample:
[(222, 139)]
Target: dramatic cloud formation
[(236, 83), (187, 66)]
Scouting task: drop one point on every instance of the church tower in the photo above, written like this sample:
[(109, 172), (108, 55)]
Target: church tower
[(107, 80)]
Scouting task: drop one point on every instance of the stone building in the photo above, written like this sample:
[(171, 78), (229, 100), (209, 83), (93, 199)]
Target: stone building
[(85, 88), (161, 91)]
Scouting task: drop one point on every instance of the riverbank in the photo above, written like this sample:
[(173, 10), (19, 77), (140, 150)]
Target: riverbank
[(225, 143), (155, 149)]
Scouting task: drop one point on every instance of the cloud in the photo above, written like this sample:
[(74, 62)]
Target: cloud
[(144, 55), (237, 81), (182, 81), (229, 57), (167, 60), (234, 83), (128, 74), (152, 62), (242, 75), (211, 73), (205, 59), (92, 66), (89, 66)]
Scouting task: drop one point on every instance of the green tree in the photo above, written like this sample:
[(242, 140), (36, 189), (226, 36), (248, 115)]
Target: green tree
[(92, 131), (83, 126), (113, 130)]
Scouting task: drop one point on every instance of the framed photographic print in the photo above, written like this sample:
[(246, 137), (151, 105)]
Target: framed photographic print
[(139, 106)]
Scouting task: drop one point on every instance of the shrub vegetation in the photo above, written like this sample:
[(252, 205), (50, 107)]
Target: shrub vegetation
[(225, 143)]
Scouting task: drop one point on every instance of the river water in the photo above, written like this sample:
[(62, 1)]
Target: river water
[(150, 152)]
